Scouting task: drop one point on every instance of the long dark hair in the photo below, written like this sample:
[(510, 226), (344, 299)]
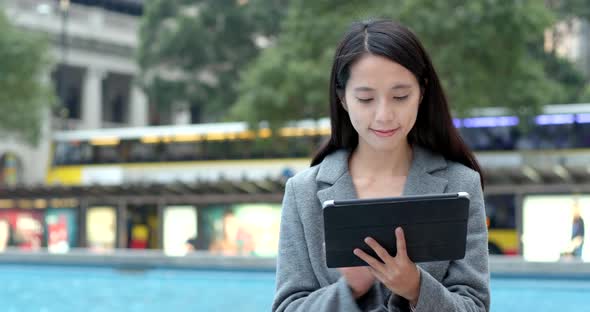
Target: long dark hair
[(434, 128)]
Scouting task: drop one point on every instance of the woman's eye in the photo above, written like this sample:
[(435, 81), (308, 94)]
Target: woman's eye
[(365, 100), (401, 98)]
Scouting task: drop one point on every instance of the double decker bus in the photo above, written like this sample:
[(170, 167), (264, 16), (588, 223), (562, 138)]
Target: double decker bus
[(166, 154)]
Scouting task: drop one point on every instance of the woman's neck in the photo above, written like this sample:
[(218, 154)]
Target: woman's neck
[(366, 161)]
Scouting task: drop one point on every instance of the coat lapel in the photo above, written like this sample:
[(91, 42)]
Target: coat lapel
[(334, 178), (420, 179)]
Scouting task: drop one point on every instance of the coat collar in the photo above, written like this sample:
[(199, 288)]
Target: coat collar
[(335, 175)]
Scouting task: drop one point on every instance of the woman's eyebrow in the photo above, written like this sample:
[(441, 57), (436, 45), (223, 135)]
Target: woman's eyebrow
[(401, 86), (395, 87), (363, 89)]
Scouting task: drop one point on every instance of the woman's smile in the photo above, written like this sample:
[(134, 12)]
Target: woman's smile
[(384, 132)]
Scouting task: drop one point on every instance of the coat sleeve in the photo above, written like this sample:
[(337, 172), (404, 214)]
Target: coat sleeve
[(465, 287), (297, 288)]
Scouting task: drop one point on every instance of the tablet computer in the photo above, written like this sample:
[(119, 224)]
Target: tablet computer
[(435, 227)]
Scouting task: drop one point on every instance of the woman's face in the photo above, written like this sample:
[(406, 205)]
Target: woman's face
[(382, 99)]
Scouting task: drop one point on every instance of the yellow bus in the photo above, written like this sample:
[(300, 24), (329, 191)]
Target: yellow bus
[(234, 151)]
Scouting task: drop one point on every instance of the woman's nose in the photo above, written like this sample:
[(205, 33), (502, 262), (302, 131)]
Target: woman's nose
[(384, 111)]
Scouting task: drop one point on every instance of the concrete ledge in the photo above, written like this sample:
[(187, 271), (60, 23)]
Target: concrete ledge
[(138, 260), (153, 259), (517, 266)]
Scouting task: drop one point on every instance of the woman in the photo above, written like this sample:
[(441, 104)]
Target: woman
[(392, 135)]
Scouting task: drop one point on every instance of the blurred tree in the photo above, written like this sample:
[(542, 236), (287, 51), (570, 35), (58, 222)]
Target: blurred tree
[(24, 97), (481, 50), (290, 80), (563, 72), (191, 50), (585, 97)]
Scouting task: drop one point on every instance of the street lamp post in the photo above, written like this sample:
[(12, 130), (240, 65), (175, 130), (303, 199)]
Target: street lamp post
[(64, 6)]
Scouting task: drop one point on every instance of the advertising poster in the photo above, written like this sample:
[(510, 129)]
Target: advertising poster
[(241, 230), (555, 227), (61, 229), (180, 228), (101, 228), (22, 229)]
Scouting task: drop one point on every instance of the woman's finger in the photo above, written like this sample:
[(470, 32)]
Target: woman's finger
[(378, 275), (400, 242), (379, 250), (374, 263)]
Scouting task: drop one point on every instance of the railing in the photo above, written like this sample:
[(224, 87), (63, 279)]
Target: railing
[(60, 124), (83, 21)]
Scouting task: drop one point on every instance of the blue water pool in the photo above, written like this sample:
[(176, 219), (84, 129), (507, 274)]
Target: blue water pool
[(87, 289), (540, 294)]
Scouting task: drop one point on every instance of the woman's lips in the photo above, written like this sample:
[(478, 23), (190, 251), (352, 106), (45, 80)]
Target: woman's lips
[(384, 132)]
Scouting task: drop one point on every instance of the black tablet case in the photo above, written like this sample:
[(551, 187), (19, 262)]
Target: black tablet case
[(435, 227)]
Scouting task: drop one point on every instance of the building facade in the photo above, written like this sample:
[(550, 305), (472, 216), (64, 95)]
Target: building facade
[(570, 39)]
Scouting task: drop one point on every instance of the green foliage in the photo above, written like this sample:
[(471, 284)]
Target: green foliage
[(564, 73), (24, 60), (486, 52), (481, 50), (290, 80), (585, 97), (191, 50)]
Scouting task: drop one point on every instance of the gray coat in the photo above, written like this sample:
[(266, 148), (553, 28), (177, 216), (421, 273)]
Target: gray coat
[(305, 283)]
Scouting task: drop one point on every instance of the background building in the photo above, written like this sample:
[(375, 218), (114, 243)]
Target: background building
[(571, 39)]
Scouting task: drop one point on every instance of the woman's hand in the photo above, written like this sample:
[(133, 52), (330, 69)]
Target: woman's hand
[(398, 273), (360, 279)]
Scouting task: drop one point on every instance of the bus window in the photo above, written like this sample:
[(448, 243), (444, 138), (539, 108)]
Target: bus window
[(124, 151), (107, 154), (140, 152), (262, 148), (60, 153), (551, 136), (198, 151), (303, 146), (315, 142), (68, 153), (216, 150), (490, 138), (241, 149), (582, 134), (86, 153), (180, 151), (279, 148)]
